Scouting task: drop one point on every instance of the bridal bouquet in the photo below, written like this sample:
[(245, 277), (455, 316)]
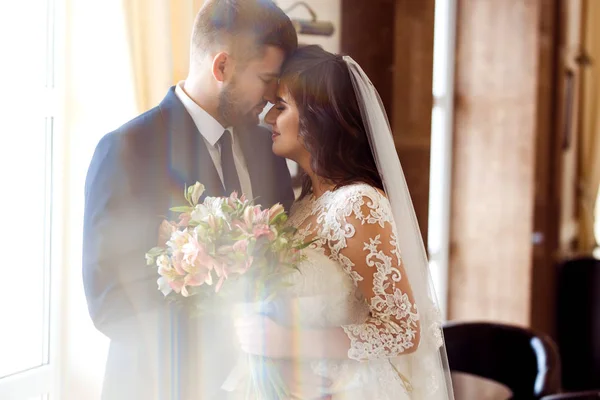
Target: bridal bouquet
[(224, 247), (227, 251)]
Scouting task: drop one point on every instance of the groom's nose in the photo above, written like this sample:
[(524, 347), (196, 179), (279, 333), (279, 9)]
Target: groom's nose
[(271, 116), (271, 92)]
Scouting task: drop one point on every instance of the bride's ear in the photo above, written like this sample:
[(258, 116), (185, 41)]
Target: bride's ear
[(222, 67)]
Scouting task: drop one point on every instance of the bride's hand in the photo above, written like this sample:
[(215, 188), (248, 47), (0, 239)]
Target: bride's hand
[(260, 335)]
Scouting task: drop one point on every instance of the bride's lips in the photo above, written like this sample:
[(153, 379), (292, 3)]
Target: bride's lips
[(275, 134)]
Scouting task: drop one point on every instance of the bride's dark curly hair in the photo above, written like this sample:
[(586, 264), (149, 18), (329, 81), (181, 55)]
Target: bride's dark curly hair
[(331, 126)]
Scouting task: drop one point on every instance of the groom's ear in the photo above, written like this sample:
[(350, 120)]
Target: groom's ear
[(222, 67)]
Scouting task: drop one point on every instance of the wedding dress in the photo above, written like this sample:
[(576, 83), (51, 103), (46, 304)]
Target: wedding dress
[(324, 293), (396, 342)]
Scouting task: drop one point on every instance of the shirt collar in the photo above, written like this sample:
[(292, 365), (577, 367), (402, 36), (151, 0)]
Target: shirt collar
[(208, 127)]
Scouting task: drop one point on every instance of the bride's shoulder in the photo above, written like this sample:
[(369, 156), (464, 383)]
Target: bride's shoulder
[(358, 203), (358, 199), (358, 191)]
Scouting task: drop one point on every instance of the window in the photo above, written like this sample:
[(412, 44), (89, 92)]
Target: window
[(27, 169), (441, 147)]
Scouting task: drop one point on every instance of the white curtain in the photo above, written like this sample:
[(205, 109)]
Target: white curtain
[(119, 57), (158, 33), (95, 78)]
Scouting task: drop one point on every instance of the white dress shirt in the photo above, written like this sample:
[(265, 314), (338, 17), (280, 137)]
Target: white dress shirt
[(211, 131)]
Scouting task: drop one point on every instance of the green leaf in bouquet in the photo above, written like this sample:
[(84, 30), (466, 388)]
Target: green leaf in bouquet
[(152, 254), (304, 245), (288, 230), (280, 219), (203, 224), (186, 193), (181, 209), (227, 209)]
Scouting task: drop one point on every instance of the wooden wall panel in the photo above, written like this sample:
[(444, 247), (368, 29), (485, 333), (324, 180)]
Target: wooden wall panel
[(367, 29), (413, 99), (546, 203), (393, 42), (497, 73)]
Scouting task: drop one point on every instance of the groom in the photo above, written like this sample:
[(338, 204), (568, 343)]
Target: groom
[(205, 130)]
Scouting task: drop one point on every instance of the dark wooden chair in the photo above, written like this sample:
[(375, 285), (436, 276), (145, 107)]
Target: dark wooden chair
[(578, 323), (587, 395), (523, 360)]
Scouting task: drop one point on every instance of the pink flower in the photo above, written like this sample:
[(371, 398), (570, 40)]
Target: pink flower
[(176, 285), (178, 263), (232, 200), (184, 219), (165, 231), (262, 230), (241, 246), (198, 279), (261, 216), (193, 250), (178, 239)]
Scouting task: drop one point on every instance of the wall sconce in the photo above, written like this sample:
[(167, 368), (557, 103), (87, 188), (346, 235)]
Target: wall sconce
[(310, 26)]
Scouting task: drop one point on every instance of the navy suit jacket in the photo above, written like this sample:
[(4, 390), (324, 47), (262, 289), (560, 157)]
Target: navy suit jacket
[(136, 174)]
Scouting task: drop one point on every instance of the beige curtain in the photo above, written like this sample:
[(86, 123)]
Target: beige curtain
[(589, 164), (158, 38)]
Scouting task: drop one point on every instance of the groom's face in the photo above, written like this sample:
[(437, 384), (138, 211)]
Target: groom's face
[(250, 87)]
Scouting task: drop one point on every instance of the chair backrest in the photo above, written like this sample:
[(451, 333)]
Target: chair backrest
[(587, 395), (578, 323), (525, 361)]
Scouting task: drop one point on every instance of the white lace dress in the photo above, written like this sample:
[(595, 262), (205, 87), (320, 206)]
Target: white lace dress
[(353, 278)]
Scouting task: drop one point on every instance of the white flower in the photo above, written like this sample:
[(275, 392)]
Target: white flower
[(163, 285), (200, 213), (163, 262), (215, 206), (197, 191), (178, 239)]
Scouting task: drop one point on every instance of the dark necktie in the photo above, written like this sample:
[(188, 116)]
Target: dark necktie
[(230, 175)]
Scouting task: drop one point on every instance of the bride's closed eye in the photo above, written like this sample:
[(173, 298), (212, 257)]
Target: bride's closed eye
[(280, 104)]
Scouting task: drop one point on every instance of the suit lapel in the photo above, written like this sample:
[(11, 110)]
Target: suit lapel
[(188, 157)]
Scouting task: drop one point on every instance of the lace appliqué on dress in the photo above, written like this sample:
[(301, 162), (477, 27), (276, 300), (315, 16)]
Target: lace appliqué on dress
[(332, 221)]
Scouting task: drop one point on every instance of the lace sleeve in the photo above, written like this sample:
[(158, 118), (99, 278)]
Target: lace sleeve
[(370, 254)]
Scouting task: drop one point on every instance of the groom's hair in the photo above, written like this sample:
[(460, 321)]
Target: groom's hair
[(243, 27)]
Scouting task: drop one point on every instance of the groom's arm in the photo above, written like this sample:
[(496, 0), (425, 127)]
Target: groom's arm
[(118, 230)]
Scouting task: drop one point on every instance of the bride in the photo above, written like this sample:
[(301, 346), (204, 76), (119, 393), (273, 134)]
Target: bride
[(358, 320)]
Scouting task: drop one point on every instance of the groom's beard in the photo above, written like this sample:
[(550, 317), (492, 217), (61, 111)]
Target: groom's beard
[(231, 112)]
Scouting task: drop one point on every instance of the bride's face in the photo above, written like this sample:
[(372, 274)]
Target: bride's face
[(285, 119)]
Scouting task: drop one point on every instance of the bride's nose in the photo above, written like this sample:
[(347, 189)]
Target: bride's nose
[(271, 116)]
